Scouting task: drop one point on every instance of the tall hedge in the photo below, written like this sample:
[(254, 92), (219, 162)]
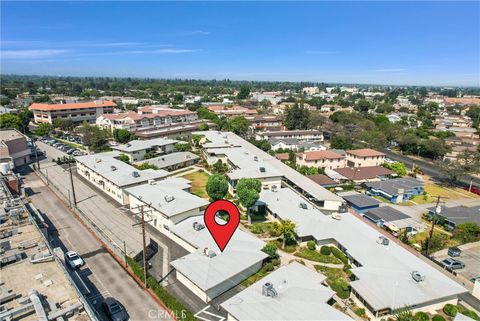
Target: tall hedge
[(339, 254)]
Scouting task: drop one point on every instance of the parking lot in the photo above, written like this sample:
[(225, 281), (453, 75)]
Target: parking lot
[(68, 145), (470, 256)]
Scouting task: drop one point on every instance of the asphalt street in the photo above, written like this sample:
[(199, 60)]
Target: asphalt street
[(102, 274)]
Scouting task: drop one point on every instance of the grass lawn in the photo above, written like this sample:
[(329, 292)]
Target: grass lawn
[(289, 248), (337, 279), (265, 229), (316, 256), (439, 234), (199, 181), (435, 190), (266, 269), (70, 144)]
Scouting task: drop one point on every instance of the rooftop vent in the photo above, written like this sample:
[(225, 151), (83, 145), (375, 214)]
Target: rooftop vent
[(417, 276), (269, 290), (255, 158), (262, 170), (135, 174), (97, 160), (383, 240), (113, 168), (209, 253), (303, 205), (151, 182), (169, 198), (198, 226), (273, 188), (128, 144)]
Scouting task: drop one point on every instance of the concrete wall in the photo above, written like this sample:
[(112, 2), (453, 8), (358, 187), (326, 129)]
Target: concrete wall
[(192, 287)]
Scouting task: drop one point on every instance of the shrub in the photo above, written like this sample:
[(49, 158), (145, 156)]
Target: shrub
[(339, 254), (271, 249), (421, 316), (450, 310), (360, 312), (438, 317), (311, 245), (325, 250), (470, 314), (256, 229)]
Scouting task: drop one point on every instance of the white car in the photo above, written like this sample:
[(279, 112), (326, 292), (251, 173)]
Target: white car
[(73, 260)]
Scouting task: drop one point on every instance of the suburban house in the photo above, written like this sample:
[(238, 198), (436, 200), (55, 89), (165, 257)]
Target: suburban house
[(453, 216), (364, 157), (311, 134), (364, 174), (322, 180), (359, 201), (146, 117), (321, 159), (387, 276), (207, 271), (113, 176), (77, 112), (396, 190), (14, 149), (166, 202), (293, 292), (283, 143), (392, 219), (137, 149)]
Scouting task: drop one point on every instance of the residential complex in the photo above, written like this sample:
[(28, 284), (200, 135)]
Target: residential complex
[(136, 150), (84, 112), (321, 159), (223, 110), (308, 135), (364, 157)]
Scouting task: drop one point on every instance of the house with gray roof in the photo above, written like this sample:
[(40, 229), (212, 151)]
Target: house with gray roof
[(396, 190), (293, 292), (386, 274), (359, 202), (391, 218), (453, 216), (207, 271), (173, 161)]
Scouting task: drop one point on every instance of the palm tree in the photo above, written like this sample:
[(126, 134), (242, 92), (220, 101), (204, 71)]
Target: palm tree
[(286, 229), (404, 314)]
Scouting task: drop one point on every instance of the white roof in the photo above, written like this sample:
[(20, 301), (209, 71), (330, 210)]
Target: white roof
[(271, 162), (242, 252), (462, 317), (301, 296), (384, 279), (170, 159), (136, 145), (119, 173), (159, 194)]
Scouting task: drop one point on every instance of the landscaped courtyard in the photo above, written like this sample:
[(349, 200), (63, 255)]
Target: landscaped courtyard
[(199, 182)]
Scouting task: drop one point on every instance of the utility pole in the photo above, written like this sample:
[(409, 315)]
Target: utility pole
[(36, 156), (125, 253), (144, 241), (434, 219), (71, 183)]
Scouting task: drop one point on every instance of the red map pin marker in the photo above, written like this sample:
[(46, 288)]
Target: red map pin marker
[(221, 233)]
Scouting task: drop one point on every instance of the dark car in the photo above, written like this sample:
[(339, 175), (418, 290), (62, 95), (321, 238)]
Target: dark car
[(114, 310), (454, 251), (453, 264)]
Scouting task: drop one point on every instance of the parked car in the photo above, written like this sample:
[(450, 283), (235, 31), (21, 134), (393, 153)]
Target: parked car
[(114, 310), (77, 153), (475, 279), (454, 251), (70, 151), (453, 264), (474, 190), (73, 260)]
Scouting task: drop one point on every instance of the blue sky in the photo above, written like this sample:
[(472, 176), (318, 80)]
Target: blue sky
[(417, 43)]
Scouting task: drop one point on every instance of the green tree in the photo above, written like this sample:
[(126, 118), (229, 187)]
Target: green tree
[(363, 106), (146, 165), (238, 125), (43, 129), (286, 229), (271, 249), (26, 116), (398, 167), (220, 167), (203, 127), (404, 314), (217, 187), (94, 138), (183, 147), (296, 117), (307, 170), (248, 192), (11, 121), (124, 158), (122, 135), (467, 232), (341, 141), (244, 92)]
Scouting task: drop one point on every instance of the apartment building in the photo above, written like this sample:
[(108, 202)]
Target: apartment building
[(364, 157), (148, 117), (222, 110), (84, 112), (321, 159), (265, 122), (311, 90), (137, 149), (308, 135), (14, 149)]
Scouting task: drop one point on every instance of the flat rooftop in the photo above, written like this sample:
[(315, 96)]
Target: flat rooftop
[(460, 214), (137, 145), (242, 252), (384, 278), (300, 296), (10, 134), (119, 173), (360, 199), (168, 196), (394, 186), (170, 159)]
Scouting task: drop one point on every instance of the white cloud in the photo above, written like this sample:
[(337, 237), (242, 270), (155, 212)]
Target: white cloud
[(31, 54)]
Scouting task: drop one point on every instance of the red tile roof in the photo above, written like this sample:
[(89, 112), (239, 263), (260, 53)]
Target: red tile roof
[(321, 179), (320, 154), (91, 104), (365, 152), (282, 156), (161, 113)]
